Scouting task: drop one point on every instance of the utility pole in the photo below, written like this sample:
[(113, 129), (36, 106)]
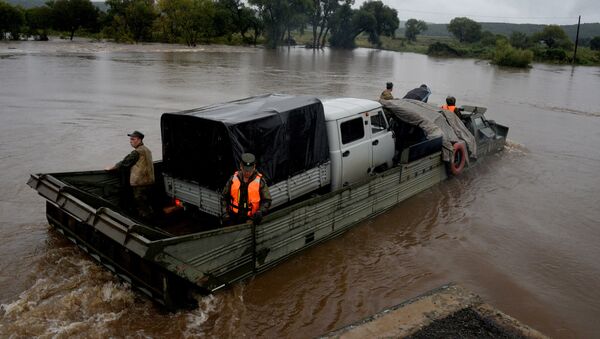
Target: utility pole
[(576, 39)]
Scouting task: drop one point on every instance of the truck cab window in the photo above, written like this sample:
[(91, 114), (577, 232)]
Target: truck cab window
[(378, 123), (352, 130)]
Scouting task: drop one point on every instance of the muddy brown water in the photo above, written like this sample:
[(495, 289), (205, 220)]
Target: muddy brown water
[(521, 229)]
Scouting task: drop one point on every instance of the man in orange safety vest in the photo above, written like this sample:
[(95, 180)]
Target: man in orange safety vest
[(246, 195)]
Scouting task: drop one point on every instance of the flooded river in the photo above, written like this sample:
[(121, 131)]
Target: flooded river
[(521, 229)]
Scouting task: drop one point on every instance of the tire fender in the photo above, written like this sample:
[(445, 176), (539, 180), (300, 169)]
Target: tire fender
[(459, 158)]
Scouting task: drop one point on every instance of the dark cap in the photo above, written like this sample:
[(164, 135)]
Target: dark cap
[(136, 134), (389, 85), (248, 160), (450, 100), (423, 86)]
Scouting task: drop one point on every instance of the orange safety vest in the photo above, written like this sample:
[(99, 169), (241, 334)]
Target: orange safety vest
[(253, 194), (450, 108)]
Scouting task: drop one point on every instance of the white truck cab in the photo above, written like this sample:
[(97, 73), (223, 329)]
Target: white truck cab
[(360, 142)]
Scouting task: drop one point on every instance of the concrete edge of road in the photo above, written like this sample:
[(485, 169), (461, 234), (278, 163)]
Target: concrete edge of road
[(428, 311)]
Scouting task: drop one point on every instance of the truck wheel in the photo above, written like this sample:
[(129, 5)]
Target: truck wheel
[(459, 157)]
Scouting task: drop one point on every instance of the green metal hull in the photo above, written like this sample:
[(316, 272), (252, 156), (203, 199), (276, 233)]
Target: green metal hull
[(170, 268)]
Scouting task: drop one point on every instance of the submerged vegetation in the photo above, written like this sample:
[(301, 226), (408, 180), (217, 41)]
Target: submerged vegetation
[(506, 55), (312, 23)]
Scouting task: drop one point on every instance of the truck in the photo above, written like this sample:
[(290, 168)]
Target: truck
[(330, 164)]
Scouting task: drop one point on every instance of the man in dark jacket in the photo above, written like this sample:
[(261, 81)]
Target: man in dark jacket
[(246, 195), (420, 93)]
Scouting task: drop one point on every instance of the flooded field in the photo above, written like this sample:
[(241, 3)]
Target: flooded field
[(521, 228)]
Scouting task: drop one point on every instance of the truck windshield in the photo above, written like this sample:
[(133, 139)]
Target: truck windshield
[(378, 123)]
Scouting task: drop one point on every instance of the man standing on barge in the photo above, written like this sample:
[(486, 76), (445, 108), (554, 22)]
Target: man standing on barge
[(387, 93), (141, 173), (246, 194)]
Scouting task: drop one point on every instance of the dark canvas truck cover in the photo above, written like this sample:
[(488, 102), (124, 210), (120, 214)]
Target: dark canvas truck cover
[(286, 133)]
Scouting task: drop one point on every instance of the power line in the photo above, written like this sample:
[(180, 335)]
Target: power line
[(482, 16)]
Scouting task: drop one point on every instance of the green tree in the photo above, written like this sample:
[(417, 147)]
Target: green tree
[(39, 20), (273, 14), (70, 15), (373, 18), (519, 40), (257, 25), (189, 19), (12, 20), (341, 25), (489, 39), (321, 12), (139, 17), (280, 17), (413, 28), (132, 20), (296, 17), (386, 20), (223, 20), (554, 37), (595, 43), (465, 29), (239, 16)]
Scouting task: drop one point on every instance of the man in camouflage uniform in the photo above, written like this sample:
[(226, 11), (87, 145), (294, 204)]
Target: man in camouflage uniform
[(387, 93), (141, 173), (246, 195)]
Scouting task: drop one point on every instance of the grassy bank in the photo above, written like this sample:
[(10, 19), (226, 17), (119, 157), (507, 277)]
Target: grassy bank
[(490, 51), (497, 53)]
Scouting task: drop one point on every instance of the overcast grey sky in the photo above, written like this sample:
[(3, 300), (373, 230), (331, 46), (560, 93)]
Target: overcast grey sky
[(561, 12)]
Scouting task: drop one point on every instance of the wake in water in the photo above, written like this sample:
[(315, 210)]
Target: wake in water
[(74, 296), (513, 147), (567, 110), (195, 319), (86, 46)]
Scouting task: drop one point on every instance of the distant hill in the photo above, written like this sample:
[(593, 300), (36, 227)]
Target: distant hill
[(585, 31), (101, 5)]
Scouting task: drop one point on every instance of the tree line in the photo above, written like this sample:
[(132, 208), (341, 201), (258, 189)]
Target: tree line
[(517, 49), (335, 22), (195, 21)]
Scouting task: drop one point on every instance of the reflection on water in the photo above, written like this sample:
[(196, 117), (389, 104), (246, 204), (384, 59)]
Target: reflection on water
[(519, 228)]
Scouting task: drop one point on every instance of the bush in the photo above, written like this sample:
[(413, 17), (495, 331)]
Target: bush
[(506, 55), (556, 54), (595, 43), (489, 39), (520, 40), (442, 49)]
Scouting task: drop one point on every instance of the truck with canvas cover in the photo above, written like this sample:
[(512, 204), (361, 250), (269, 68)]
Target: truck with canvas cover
[(202, 148)]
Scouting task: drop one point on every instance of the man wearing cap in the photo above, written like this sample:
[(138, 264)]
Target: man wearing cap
[(141, 172), (420, 93), (387, 93), (246, 195)]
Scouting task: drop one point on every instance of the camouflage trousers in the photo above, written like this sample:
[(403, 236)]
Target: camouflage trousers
[(142, 200)]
